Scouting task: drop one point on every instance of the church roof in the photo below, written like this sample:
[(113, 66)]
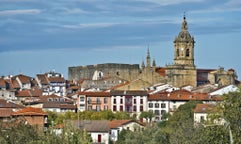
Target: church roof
[(184, 35)]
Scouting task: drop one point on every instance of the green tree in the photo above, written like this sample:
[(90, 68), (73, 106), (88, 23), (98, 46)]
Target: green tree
[(147, 115), (231, 108)]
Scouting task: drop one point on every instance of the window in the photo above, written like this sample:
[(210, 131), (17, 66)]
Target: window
[(141, 101), (134, 101), (114, 108), (97, 108), (157, 112), (105, 107), (114, 101), (150, 105), (105, 100), (134, 108), (82, 99), (99, 138), (202, 119), (98, 100), (187, 53), (121, 101), (178, 52), (89, 100), (141, 108), (156, 105), (163, 105), (121, 108), (174, 107)]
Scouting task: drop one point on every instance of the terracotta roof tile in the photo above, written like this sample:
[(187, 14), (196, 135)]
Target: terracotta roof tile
[(128, 92), (161, 71), (30, 111), (204, 108), (183, 95), (59, 105), (29, 93), (2, 83), (118, 123), (93, 125), (56, 79), (6, 112), (43, 79), (95, 94), (24, 78), (9, 104)]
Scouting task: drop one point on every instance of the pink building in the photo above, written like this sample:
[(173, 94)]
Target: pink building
[(96, 101)]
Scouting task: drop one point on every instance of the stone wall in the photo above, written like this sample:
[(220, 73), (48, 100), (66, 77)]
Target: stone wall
[(125, 71)]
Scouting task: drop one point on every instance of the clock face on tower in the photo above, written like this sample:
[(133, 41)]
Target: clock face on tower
[(182, 49)]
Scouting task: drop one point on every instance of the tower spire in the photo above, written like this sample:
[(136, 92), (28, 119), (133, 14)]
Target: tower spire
[(148, 58), (184, 23)]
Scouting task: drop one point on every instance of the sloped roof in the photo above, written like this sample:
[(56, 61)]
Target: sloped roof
[(118, 123), (204, 108), (92, 125), (43, 79), (56, 79), (6, 112), (30, 111), (59, 105), (9, 104), (128, 92), (24, 78), (161, 71), (2, 83), (29, 93), (183, 95), (95, 94)]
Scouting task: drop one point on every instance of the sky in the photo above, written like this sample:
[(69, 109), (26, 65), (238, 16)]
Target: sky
[(37, 36)]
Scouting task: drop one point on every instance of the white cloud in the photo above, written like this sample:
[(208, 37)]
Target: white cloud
[(75, 11), (170, 2), (90, 25), (20, 12)]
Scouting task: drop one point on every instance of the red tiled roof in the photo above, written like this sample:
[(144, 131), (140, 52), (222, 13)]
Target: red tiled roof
[(74, 88), (59, 105), (204, 108), (43, 99), (30, 111), (93, 125), (9, 104), (183, 95), (56, 79), (186, 95), (118, 123), (2, 83), (161, 71), (15, 84), (24, 78), (43, 79), (29, 93), (95, 94), (5, 112), (128, 92)]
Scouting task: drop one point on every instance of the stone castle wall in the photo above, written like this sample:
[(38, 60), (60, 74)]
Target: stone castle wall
[(125, 71)]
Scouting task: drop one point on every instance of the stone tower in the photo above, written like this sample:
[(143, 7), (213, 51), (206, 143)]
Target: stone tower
[(183, 71)]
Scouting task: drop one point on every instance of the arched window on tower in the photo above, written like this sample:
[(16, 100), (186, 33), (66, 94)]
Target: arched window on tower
[(178, 52), (187, 53)]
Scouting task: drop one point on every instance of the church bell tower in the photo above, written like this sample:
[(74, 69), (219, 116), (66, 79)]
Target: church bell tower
[(184, 47), (183, 71)]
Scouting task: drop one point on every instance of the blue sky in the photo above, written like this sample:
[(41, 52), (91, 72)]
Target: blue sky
[(37, 36)]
